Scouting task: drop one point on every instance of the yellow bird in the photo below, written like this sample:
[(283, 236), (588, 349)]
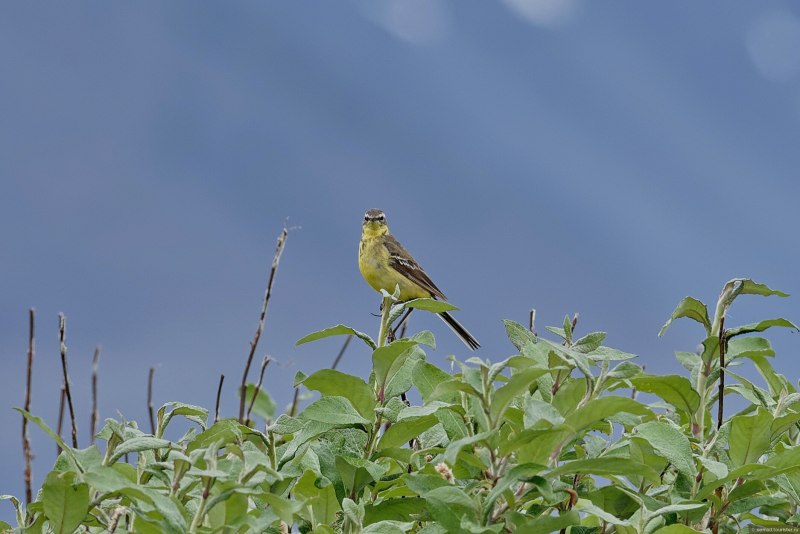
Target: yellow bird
[(385, 264)]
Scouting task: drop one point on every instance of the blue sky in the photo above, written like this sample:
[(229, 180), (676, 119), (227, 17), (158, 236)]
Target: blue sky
[(566, 155)]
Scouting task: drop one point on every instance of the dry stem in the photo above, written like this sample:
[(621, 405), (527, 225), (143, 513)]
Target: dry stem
[(62, 328), (26, 440), (219, 393), (95, 412), (150, 400), (267, 294)]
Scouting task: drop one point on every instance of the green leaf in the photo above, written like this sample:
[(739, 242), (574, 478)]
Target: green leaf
[(424, 338), (38, 421), (749, 437), (537, 410), (223, 431), (263, 406), (320, 496), (603, 408), (358, 472), (589, 508), (516, 474), (335, 383), (387, 527), (518, 334), (430, 305), (624, 370), (387, 360), (693, 309), (393, 510), (333, 410), (551, 523), (604, 466), (65, 502), (670, 443), (284, 508), (748, 347), (609, 354), (338, 330), (676, 390), (676, 528), (400, 379), (138, 444), (518, 383), (451, 453), (754, 288), (448, 505), (404, 431), (17, 507), (589, 343), (759, 327), (193, 413), (426, 377)]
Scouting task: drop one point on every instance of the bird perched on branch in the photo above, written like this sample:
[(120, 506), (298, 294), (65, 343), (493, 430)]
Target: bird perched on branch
[(385, 264)]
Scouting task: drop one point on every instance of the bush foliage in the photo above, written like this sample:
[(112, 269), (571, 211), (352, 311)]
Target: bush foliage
[(565, 435)]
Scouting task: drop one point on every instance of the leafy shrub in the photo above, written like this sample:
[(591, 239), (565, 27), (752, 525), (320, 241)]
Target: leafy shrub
[(551, 439)]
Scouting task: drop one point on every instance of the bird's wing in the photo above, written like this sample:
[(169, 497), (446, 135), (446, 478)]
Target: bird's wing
[(401, 261)]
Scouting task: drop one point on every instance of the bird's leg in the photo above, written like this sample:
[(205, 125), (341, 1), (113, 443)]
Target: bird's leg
[(403, 319)]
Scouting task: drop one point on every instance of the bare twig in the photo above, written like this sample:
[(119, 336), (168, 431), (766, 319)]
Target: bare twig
[(150, 400), (532, 320), (61, 402), (62, 328), (723, 341), (264, 364), (95, 412), (219, 394), (293, 409), (253, 344), (341, 351), (26, 440)]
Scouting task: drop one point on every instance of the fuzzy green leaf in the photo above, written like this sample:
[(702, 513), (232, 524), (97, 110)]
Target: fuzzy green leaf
[(333, 410), (670, 443), (676, 390), (66, 502), (693, 309), (338, 330), (749, 437), (335, 383), (760, 327), (430, 305)]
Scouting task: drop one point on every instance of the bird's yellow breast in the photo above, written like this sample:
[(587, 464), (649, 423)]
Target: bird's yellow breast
[(373, 262)]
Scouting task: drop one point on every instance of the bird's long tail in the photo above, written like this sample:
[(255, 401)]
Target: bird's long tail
[(460, 331)]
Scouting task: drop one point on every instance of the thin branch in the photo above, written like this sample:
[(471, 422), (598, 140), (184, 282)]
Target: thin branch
[(26, 440), (293, 408), (62, 328), (341, 351), (267, 294), (264, 364), (95, 412), (403, 330), (722, 347), (150, 400), (219, 394), (61, 402)]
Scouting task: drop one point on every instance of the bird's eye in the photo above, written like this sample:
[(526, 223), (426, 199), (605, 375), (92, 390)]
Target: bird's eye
[(381, 217)]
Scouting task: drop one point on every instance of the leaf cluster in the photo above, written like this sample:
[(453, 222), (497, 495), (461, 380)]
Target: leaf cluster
[(556, 437)]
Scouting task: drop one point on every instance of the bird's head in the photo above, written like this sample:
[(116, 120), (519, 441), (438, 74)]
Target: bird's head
[(375, 222)]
